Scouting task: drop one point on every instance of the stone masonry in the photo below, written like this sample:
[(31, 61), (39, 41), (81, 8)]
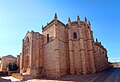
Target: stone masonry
[(62, 49), (5, 60)]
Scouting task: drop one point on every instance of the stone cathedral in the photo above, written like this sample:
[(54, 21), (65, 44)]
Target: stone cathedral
[(62, 49)]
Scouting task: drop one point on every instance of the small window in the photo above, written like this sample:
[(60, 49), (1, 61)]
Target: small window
[(47, 37), (75, 36)]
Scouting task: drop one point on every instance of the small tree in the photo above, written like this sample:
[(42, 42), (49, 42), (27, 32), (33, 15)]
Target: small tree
[(12, 66), (9, 67), (15, 67)]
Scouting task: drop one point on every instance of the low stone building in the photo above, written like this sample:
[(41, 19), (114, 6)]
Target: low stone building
[(62, 49), (115, 64), (5, 60)]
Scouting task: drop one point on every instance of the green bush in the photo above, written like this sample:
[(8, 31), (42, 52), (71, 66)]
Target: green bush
[(12, 66)]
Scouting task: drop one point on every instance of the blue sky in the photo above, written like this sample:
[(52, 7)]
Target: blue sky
[(19, 16)]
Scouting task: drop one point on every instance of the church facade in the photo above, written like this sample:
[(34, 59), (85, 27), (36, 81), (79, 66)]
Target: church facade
[(62, 49)]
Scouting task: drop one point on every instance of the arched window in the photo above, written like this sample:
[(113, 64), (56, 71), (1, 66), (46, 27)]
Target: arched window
[(47, 37), (75, 35)]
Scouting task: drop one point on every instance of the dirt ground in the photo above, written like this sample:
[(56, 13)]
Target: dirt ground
[(108, 75)]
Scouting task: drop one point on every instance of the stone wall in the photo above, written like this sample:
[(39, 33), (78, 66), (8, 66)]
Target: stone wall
[(51, 56), (36, 58), (74, 49), (18, 60), (32, 54), (56, 50), (101, 59), (63, 49)]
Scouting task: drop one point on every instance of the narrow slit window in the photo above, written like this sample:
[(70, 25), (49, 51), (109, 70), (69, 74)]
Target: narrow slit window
[(47, 37), (75, 36)]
